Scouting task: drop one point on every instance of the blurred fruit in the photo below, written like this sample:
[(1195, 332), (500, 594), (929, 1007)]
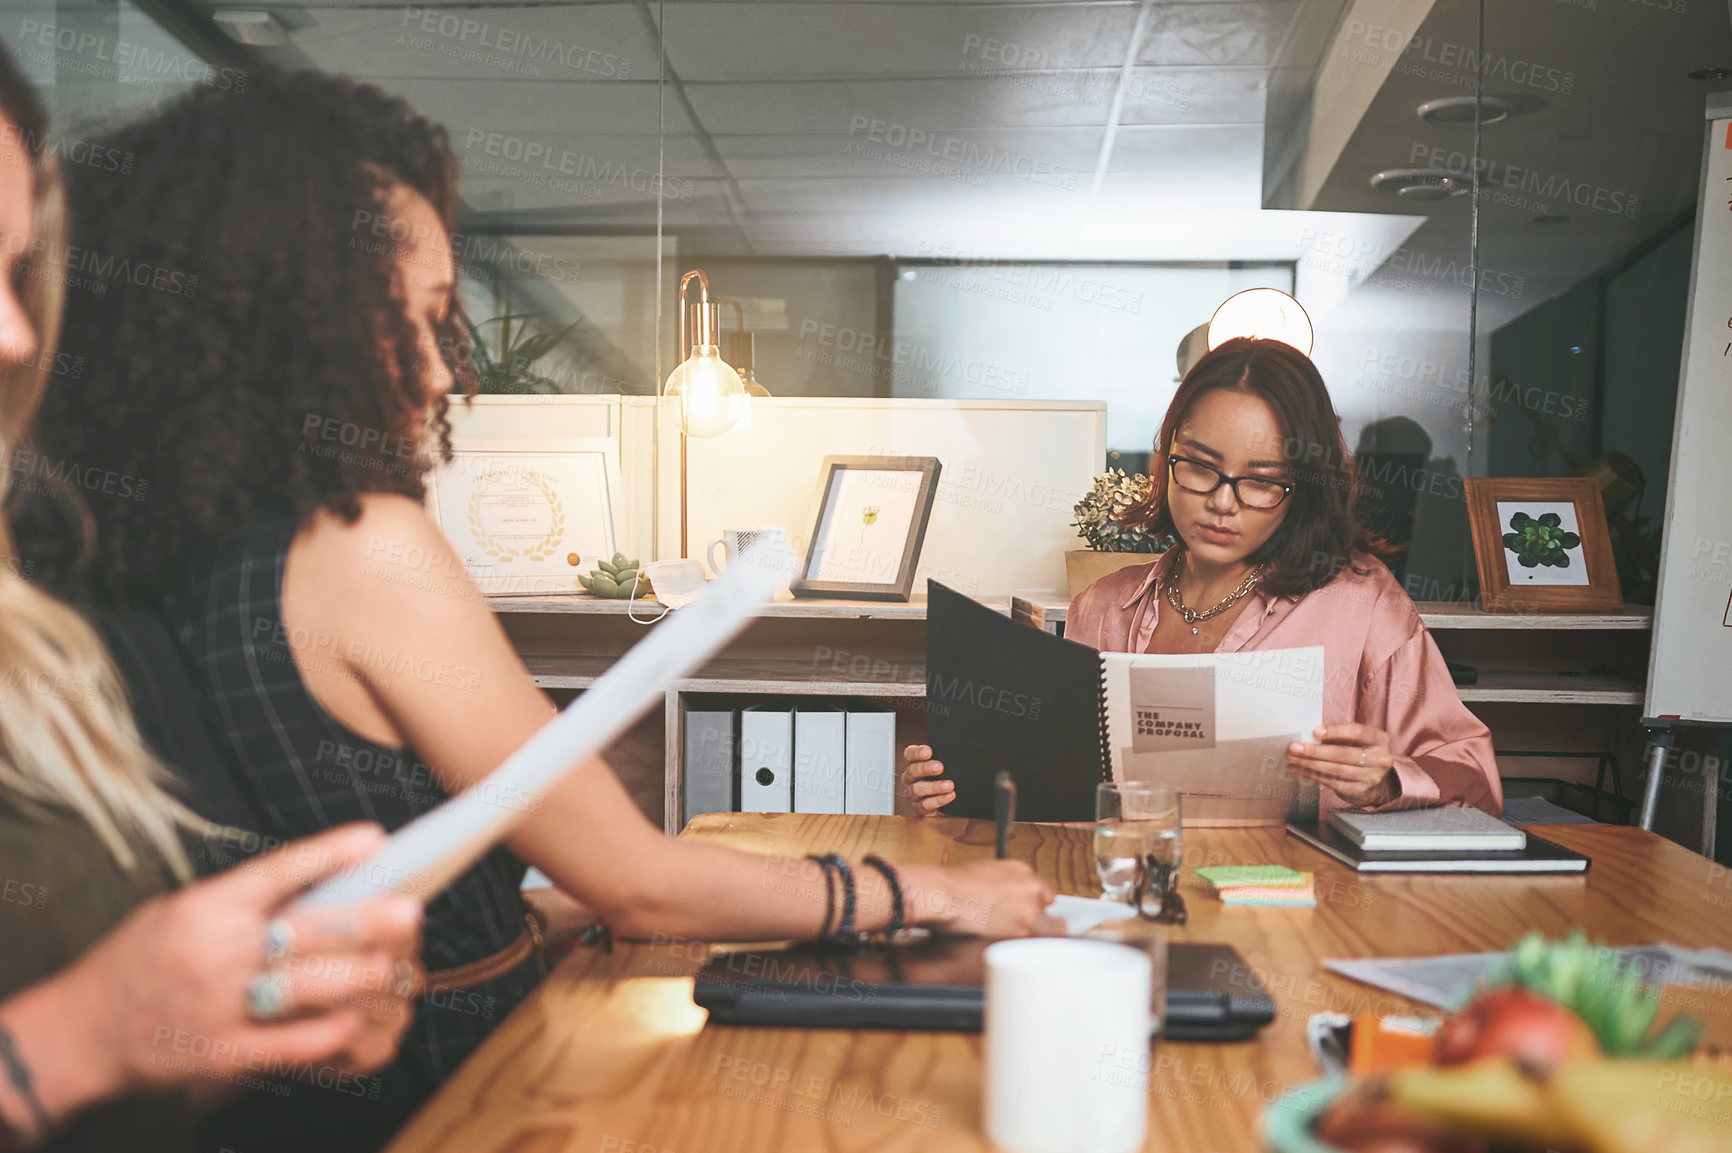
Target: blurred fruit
[(1534, 1031), (1610, 996), (1360, 1120), (1494, 1097), (1645, 1106)]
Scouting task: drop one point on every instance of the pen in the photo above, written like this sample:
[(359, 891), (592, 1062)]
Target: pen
[(1004, 809)]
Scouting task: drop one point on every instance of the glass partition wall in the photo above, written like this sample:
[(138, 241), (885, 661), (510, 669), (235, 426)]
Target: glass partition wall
[(1040, 200)]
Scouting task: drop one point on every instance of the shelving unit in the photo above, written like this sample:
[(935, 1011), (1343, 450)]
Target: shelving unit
[(876, 650), (872, 650)]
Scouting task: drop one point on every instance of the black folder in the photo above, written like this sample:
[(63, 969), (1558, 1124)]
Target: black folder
[(937, 983), (1003, 695)]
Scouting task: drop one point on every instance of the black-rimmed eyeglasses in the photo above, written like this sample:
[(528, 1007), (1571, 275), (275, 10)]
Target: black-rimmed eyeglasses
[(1259, 492)]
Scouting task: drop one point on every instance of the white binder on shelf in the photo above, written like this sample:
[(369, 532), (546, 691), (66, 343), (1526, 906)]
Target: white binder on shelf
[(766, 759), (709, 762), (871, 761), (819, 758)]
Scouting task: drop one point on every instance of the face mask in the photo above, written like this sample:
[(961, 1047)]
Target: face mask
[(676, 582)]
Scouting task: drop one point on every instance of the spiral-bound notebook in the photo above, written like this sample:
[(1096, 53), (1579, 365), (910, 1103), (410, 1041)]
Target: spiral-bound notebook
[(1062, 717)]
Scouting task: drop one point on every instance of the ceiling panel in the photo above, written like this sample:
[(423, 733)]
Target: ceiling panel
[(990, 193), (1216, 34), (1184, 96), (526, 108), (1059, 150), (763, 41), (585, 42), (909, 108)]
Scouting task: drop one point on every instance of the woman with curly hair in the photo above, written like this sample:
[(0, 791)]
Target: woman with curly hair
[(277, 408)]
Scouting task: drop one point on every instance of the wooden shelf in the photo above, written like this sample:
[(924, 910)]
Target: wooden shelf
[(1523, 687), (771, 676), (1451, 615), (792, 608)]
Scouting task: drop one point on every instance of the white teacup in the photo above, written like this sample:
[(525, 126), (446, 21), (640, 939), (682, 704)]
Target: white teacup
[(1067, 1046), (734, 540)]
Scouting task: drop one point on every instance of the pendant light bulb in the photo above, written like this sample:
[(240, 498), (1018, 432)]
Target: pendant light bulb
[(709, 393)]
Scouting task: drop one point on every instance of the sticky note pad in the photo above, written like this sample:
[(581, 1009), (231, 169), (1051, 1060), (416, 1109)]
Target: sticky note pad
[(1263, 876), (1298, 898)]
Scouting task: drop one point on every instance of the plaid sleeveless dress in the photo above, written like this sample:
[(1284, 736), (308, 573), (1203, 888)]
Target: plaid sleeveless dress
[(300, 772)]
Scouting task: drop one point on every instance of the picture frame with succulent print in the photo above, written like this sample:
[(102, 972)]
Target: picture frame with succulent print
[(1541, 545), (870, 525)]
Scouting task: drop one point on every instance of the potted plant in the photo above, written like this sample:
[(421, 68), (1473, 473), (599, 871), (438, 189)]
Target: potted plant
[(507, 367), (1111, 545)]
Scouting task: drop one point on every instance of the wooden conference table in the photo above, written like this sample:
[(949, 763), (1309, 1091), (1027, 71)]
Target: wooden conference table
[(611, 1056)]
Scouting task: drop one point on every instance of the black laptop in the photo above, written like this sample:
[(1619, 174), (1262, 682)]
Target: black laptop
[(937, 983)]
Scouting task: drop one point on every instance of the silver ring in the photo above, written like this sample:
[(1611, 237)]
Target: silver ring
[(405, 985), (267, 997), (279, 940)]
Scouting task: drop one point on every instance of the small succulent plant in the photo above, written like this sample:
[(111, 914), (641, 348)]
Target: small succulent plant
[(616, 579), (1540, 542), (1096, 513)]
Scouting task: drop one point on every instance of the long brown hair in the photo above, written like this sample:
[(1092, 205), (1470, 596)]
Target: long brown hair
[(1320, 533)]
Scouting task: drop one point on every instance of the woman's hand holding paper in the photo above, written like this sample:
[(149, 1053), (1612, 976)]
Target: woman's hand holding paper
[(1353, 759)]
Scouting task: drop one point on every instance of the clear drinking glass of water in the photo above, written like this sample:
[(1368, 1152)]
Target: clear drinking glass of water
[(1134, 821)]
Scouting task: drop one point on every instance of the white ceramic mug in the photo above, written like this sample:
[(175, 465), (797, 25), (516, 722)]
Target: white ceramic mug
[(1067, 1046), (733, 540)]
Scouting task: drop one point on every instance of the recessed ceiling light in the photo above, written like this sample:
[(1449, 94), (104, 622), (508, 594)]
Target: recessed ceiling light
[(1712, 74), (1551, 218), (1457, 111), (1421, 183), (259, 29)]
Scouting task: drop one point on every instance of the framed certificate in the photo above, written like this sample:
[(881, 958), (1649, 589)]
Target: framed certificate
[(528, 515)]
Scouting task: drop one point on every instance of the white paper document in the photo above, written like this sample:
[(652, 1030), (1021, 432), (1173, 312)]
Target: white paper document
[(1217, 726), (1448, 982)]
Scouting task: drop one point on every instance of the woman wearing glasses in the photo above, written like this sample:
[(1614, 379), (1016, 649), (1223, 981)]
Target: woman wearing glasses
[(1253, 480)]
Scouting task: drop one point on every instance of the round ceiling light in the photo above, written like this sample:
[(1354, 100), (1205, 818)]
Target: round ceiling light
[(1457, 111), (1421, 183), (1262, 314)]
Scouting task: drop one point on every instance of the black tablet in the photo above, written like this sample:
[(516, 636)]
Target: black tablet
[(937, 983)]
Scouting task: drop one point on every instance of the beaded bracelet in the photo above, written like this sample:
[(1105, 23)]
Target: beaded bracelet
[(896, 908), (845, 929), (829, 893)]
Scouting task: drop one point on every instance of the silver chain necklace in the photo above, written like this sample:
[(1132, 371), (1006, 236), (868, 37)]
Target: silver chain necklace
[(1192, 616)]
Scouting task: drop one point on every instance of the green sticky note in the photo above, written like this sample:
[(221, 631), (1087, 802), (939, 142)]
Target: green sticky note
[(1266, 876)]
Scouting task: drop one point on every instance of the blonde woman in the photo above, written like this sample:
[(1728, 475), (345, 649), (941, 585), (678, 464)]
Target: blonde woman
[(110, 987)]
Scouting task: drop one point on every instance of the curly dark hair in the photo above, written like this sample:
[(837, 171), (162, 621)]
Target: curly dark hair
[(230, 294), (1321, 532)]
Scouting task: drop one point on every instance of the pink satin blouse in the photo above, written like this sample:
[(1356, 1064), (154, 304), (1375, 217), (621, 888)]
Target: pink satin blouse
[(1381, 668)]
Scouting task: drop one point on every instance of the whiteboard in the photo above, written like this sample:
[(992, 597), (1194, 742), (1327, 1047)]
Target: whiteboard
[(1690, 670)]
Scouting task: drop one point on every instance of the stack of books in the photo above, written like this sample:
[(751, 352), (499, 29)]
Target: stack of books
[(1435, 840)]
